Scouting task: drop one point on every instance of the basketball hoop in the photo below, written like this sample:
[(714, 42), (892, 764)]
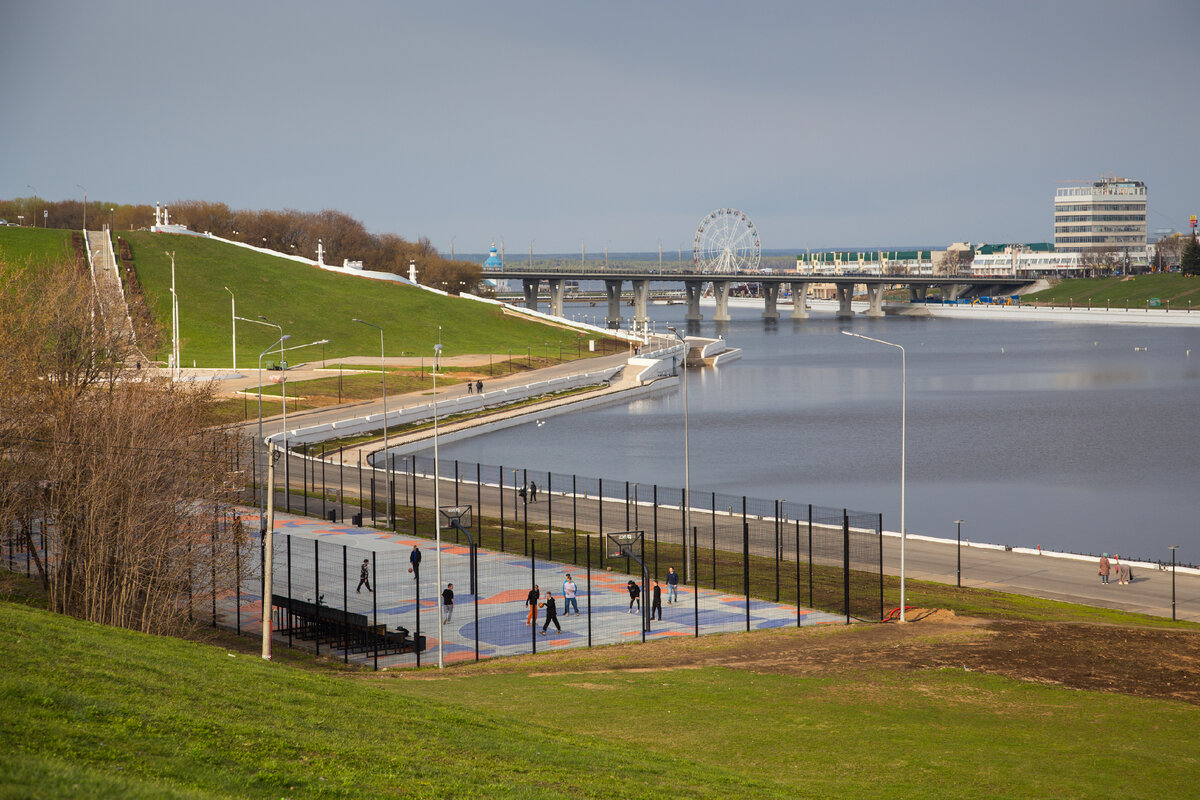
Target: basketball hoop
[(456, 517), (623, 544)]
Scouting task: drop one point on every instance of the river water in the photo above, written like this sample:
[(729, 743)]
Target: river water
[(1070, 436)]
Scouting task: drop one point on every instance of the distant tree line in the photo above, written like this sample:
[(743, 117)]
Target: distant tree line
[(288, 231)]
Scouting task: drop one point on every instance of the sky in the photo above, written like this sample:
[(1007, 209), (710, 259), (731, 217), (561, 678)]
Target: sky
[(565, 125)]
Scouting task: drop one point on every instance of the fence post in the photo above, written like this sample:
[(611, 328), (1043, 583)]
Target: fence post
[(360, 491), (655, 500), (525, 513), (393, 524), (501, 486), (714, 543), (798, 573), (695, 587), (549, 516), (588, 541), (237, 574), (317, 590), (289, 588), (810, 559), (414, 520), (777, 553), (533, 583), (374, 607), (478, 506), (627, 508), (746, 567), (345, 610), (417, 596), (324, 513), (879, 536), (574, 523), (846, 562)]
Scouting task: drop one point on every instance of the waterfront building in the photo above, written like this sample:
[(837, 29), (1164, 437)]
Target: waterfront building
[(866, 262), (1108, 214)]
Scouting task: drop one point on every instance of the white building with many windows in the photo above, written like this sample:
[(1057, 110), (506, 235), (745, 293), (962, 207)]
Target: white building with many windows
[(1108, 214)]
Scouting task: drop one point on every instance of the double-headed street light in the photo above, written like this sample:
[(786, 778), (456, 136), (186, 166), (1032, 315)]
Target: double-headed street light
[(687, 461), (383, 385), (903, 456)]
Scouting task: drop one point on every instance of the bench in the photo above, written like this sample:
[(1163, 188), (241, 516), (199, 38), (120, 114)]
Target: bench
[(343, 630)]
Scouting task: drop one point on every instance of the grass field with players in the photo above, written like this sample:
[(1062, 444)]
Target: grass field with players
[(101, 712)]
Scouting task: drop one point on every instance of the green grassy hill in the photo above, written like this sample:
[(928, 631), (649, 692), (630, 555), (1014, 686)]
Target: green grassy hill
[(1172, 287), (99, 712), (309, 303), (313, 304)]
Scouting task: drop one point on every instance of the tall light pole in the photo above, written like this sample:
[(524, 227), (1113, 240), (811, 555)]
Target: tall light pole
[(1173, 547), (174, 319), (903, 454), (34, 215), (687, 462), (383, 386), (437, 497), (262, 522), (233, 313), (77, 186), (959, 523)]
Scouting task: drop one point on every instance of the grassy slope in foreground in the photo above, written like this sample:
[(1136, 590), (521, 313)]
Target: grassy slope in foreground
[(99, 712), (1172, 287), (313, 304)]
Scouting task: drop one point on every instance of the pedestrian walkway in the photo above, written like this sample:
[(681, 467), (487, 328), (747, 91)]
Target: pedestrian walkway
[(317, 561)]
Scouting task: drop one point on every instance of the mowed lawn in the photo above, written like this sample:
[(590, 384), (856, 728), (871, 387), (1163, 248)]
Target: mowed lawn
[(312, 304), (98, 712)]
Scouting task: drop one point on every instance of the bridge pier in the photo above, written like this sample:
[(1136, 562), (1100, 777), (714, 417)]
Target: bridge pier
[(953, 291), (557, 290), (799, 299), (721, 293), (770, 300), (917, 292), (875, 298), (641, 304), (845, 291), (692, 290), (613, 290), (531, 285)]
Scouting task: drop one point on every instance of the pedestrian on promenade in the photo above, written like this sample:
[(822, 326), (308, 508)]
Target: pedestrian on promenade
[(478, 387), (524, 495), (531, 600), (1118, 569), (364, 575), (656, 601), (551, 613), (532, 492), (414, 563), (570, 590), (1105, 568), (635, 596), (447, 603), (470, 387), (672, 585)]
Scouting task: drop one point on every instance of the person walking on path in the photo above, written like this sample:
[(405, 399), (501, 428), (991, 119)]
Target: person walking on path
[(364, 575), (447, 603), (570, 590), (532, 492), (551, 613), (531, 600), (656, 601), (672, 585), (478, 387), (524, 495), (1116, 568), (1105, 568), (635, 596), (470, 387), (414, 562)]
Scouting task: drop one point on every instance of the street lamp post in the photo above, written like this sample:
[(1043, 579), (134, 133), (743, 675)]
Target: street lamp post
[(77, 186), (687, 461), (1173, 547), (903, 455), (437, 497), (383, 386), (233, 314), (959, 523), (174, 320)]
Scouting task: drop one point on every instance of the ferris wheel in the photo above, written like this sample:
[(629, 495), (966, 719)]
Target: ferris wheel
[(726, 241)]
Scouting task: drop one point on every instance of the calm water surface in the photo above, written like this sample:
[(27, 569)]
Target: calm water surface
[(1074, 437)]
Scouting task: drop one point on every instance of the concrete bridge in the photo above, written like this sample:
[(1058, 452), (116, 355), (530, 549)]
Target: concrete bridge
[(952, 286)]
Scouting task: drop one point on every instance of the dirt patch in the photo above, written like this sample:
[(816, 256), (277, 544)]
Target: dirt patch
[(1148, 662)]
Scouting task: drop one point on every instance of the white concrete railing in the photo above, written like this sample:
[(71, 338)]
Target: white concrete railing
[(446, 407)]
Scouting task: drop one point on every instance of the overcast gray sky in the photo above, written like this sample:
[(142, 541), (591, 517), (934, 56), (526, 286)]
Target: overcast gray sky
[(616, 124)]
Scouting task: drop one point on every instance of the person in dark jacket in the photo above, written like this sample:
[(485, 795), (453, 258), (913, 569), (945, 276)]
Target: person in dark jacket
[(414, 560), (672, 585), (635, 596), (551, 613), (656, 601), (364, 575), (531, 600), (447, 603)]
